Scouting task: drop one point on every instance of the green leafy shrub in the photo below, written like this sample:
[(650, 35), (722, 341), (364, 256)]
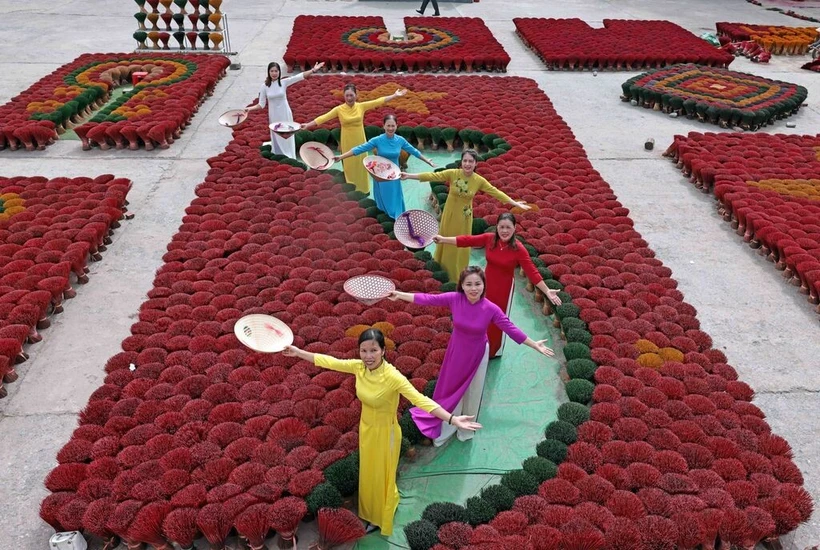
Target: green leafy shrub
[(324, 495), (545, 272), (479, 226), (540, 468), (562, 431), (579, 390), (579, 335), (441, 276), (581, 368), (552, 449), (439, 513), (405, 131), (432, 265), (448, 134), (423, 255), (466, 137), (367, 203), (479, 511), (449, 286), (372, 131), (576, 350), (553, 284), (336, 136), (573, 322), (439, 188), (574, 413), (499, 496), (567, 310), (321, 135), (302, 136), (489, 140), (430, 387), (344, 474), (409, 428), (476, 138), (436, 137), (421, 133), (421, 535), (520, 482)]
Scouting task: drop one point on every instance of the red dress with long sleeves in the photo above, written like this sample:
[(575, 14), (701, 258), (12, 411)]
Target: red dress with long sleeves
[(501, 263)]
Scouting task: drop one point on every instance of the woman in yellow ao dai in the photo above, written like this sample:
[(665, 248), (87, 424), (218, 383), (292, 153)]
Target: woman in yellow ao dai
[(457, 216), (378, 386), (351, 119)]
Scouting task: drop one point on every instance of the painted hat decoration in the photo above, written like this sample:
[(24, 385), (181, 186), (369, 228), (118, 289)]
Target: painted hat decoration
[(381, 169), (232, 118), (369, 289), (317, 156), (284, 129), (263, 333), (415, 228)]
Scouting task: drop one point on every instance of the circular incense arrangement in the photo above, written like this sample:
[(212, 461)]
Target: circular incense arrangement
[(418, 39), (714, 95)]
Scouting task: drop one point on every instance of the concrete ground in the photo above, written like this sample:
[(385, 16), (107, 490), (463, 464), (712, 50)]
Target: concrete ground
[(768, 331)]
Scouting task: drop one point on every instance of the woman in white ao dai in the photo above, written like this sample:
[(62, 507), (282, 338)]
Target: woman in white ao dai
[(273, 95)]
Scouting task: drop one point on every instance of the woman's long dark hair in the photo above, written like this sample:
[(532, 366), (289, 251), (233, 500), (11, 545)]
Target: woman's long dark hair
[(471, 270), (268, 80), (510, 218)]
